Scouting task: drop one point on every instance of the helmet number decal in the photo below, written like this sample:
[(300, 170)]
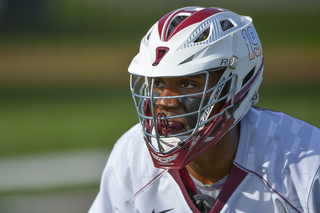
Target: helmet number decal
[(252, 42)]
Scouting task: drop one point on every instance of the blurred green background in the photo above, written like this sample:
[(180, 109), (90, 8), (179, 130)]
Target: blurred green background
[(64, 82)]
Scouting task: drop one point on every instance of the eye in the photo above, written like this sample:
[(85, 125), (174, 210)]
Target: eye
[(187, 85), (158, 83)]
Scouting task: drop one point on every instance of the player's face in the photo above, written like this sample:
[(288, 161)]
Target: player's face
[(179, 106)]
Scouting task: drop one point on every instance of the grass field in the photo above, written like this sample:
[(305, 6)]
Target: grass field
[(37, 120)]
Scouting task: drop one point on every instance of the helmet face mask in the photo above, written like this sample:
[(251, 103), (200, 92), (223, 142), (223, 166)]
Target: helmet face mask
[(180, 123), (167, 133)]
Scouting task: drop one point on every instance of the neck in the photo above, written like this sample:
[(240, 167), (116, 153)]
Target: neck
[(216, 162)]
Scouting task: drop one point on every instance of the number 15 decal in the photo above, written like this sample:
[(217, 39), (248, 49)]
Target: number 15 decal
[(252, 42)]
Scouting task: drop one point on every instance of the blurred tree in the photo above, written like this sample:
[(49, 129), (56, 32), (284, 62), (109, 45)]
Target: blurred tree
[(22, 15)]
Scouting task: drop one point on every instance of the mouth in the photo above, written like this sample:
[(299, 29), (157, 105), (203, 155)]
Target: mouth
[(166, 127), (175, 125), (171, 128)]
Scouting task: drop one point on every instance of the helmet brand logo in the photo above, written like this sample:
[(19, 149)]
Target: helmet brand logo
[(224, 61), (165, 160)]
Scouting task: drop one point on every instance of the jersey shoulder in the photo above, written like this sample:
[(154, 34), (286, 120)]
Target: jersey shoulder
[(281, 150), (267, 135)]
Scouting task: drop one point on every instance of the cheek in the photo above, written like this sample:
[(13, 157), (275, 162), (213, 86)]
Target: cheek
[(156, 94), (190, 104)]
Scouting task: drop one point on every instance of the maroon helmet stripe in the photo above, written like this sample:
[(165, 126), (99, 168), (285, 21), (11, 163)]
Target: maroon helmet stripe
[(194, 18), (162, 21)]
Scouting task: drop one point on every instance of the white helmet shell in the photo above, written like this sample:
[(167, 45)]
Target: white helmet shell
[(189, 41), (183, 55)]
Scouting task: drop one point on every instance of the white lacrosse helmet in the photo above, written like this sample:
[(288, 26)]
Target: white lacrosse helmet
[(192, 41)]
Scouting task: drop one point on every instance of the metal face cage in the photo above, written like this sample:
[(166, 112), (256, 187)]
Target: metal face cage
[(142, 90)]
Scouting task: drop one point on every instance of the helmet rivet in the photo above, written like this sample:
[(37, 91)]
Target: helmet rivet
[(234, 62), (185, 148)]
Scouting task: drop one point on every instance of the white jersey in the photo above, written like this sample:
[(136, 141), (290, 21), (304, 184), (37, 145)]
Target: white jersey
[(276, 169)]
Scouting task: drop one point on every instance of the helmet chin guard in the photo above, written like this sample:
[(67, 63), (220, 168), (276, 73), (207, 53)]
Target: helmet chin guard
[(188, 42), (191, 149)]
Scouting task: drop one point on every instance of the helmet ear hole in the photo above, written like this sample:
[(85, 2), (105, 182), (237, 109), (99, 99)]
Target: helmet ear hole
[(248, 77)]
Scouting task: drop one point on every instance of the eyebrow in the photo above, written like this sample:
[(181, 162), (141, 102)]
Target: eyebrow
[(200, 76)]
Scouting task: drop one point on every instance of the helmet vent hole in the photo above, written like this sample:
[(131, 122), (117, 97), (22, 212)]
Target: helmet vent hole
[(248, 77), (203, 36), (175, 23), (160, 53), (226, 25), (148, 36)]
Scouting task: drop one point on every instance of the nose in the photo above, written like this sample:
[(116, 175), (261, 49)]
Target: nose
[(168, 103)]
